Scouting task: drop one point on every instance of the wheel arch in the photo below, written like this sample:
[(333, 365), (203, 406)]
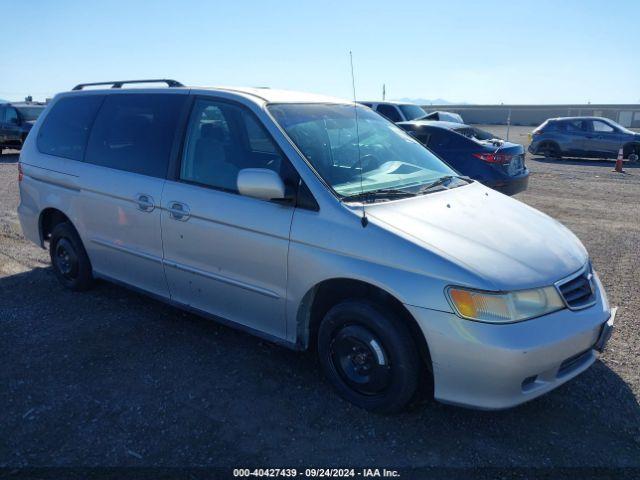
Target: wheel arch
[(49, 218), (630, 147), (548, 143), (327, 293)]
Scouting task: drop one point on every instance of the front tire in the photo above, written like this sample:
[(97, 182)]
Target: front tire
[(70, 261), (632, 153), (368, 355)]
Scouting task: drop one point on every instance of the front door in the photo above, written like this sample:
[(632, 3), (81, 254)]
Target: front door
[(226, 254), (605, 139)]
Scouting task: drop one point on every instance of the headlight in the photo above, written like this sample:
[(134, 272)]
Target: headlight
[(504, 307)]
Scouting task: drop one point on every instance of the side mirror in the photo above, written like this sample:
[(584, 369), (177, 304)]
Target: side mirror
[(261, 183)]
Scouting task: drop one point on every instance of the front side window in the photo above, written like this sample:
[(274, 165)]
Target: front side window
[(221, 140), (65, 130), (602, 127), (134, 133), (376, 155)]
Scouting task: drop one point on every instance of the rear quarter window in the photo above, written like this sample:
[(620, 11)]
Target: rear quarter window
[(135, 132), (66, 128)]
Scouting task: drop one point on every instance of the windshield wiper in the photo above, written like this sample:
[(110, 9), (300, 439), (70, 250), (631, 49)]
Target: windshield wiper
[(442, 181), (381, 193)]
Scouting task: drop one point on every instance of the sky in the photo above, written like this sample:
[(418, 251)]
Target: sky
[(482, 52)]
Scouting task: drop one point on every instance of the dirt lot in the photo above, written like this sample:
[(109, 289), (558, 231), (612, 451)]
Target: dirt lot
[(112, 378)]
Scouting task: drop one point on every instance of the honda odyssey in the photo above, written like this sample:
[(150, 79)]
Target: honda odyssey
[(315, 223)]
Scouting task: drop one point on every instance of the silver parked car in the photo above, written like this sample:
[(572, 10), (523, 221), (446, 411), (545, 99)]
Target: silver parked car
[(314, 222)]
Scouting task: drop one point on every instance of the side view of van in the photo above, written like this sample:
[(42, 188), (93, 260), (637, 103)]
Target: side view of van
[(315, 223)]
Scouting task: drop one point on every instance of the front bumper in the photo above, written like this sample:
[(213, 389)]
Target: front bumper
[(606, 331), (491, 366)]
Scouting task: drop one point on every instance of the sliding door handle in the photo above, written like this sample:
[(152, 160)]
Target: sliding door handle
[(145, 202), (178, 211)]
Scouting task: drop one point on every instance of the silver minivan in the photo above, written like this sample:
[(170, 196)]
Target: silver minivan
[(315, 223)]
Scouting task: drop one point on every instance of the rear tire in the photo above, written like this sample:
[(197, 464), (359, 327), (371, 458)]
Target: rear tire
[(69, 258), (368, 355), (550, 150)]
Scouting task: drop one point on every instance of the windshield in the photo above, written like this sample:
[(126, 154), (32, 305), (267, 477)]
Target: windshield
[(618, 126), (30, 113), (411, 112), (387, 158)]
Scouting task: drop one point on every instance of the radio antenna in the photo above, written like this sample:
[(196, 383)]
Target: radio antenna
[(364, 220)]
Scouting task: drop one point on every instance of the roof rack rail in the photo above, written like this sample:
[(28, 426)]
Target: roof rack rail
[(119, 83)]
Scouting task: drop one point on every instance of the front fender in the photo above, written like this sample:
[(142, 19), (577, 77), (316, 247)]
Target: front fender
[(333, 245)]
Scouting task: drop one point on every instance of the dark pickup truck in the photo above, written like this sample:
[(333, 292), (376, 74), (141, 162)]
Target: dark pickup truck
[(16, 120)]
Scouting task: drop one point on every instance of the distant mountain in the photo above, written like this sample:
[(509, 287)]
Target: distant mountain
[(426, 101)]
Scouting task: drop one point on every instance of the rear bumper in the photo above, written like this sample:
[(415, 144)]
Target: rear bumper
[(512, 185), (490, 366), (29, 224)]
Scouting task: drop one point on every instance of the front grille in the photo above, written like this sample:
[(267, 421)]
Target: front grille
[(578, 291)]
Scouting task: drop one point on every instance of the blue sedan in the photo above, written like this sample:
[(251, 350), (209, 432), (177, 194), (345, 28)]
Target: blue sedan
[(474, 153)]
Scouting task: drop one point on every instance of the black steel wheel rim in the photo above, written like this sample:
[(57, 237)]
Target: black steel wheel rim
[(66, 259), (551, 151), (359, 358)]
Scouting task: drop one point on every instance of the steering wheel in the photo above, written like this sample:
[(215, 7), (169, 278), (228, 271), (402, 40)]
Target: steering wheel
[(368, 162)]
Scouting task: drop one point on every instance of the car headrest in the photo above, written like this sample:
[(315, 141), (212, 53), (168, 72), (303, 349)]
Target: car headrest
[(212, 131)]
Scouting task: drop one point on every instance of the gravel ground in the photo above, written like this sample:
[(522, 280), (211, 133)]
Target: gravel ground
[(112, 378)]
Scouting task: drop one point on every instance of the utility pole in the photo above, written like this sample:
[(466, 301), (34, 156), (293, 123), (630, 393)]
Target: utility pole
[(384, 92)]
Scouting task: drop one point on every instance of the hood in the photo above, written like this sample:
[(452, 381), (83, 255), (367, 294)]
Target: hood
[(501, 240)]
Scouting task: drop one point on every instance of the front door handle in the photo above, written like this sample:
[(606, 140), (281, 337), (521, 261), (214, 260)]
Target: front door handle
[(179, 211), (145, 202)]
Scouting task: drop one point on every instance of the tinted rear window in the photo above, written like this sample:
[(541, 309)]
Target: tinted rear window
[(475, 133), (389, 111), (444, 139), (411, 112), (66, 128), (30, 113), (134, 132)]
